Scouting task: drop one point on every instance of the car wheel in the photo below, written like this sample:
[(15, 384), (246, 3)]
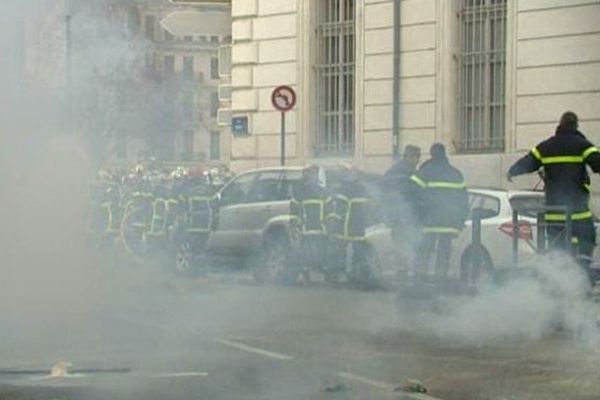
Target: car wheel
[(274, 264), (184, 259), (475, 265)]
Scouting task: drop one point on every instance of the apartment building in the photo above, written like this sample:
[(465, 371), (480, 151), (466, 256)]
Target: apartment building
[(186, 41), (489, 78)]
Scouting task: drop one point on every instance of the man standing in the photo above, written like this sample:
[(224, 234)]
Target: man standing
[(443, 209), (399, 199), (308, 209), (563, 158), (404, 168)]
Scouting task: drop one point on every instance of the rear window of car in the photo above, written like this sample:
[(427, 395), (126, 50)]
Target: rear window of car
[(527, 205), (490, 204)]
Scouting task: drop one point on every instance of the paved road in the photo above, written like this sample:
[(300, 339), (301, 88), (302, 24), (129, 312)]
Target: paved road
[(215, 339)]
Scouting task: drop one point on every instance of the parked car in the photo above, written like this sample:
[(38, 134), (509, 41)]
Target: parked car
[(252, 223), (496, 236), (251, 220)]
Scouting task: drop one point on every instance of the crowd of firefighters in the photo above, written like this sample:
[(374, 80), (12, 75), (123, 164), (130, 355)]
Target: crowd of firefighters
[(145, 208), (425, 205)]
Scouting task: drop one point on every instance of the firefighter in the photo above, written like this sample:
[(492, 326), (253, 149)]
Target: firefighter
[(308, 209), (400, 202), (405, 167), (443, 208), (348, 215), (563, 159)]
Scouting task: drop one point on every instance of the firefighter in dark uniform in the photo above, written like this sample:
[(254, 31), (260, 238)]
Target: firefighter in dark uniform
[(443, 201), (398, 191), (348, 214), (308, 210), (405, 167), (564, 158)]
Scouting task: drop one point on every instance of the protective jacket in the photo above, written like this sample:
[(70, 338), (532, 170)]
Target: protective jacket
[(308, 208), (348, 212), (443, 198), (564, 158)]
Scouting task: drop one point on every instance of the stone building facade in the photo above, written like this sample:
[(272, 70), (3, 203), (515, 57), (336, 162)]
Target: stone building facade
[(489, 78)]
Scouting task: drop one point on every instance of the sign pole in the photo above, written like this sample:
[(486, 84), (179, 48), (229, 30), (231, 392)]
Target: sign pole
[(283, 99), (282, 139)]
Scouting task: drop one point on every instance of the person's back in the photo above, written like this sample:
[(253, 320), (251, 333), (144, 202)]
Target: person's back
[(396, 179), (443, 209), (444, 200), (564, 159)]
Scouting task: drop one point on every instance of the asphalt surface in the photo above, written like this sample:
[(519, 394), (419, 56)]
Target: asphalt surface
[(221, 338)]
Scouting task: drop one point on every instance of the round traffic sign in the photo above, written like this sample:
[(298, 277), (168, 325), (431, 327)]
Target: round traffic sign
[(283, 98)]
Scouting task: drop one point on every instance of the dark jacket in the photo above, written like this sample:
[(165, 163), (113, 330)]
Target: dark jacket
[(397, 178), (443, 198), (308, 206), (563, 157), (349, 211)]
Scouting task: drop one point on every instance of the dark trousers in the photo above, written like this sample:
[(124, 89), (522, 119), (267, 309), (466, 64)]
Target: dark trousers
[(584, 242), (441, 245)]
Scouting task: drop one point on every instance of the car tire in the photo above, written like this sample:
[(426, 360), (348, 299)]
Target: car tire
[(475, 266), (183, 259), (274, 263)]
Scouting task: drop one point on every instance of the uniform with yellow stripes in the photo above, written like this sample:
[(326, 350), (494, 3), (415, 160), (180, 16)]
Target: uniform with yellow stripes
[(442, 198), (565, 158)]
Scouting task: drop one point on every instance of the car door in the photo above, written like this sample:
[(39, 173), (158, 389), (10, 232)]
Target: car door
[(264, 202), (231, 214)]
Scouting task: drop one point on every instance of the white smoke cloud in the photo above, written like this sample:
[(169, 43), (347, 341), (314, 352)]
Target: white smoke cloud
[(524, 308)]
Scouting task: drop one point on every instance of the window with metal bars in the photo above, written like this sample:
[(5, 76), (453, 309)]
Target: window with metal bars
[(334, 66), (482, 75)]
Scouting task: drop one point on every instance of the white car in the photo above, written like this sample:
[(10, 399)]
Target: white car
[(496, 236)]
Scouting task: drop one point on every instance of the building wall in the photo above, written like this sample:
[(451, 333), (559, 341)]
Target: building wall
[(203, 48), (265, 54), (553, 65)]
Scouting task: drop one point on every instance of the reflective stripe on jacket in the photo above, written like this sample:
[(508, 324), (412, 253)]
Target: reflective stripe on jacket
[(442, 197), (564, 158)]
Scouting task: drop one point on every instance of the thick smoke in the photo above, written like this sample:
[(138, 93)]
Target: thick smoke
[(553, 298), (49, 272)]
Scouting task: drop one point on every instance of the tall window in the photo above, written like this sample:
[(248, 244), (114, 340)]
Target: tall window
[(214, 68), (335, 56), (214, 104), (169, 66), (482, 75), (215, 145), (188, 106), (150, 27), (187, 145), (188, 68)]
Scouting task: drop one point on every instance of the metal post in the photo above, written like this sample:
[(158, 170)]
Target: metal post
[(282, 139), (515, 235), (541, 232), (476, 233), (396, 83), (68, 67)]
